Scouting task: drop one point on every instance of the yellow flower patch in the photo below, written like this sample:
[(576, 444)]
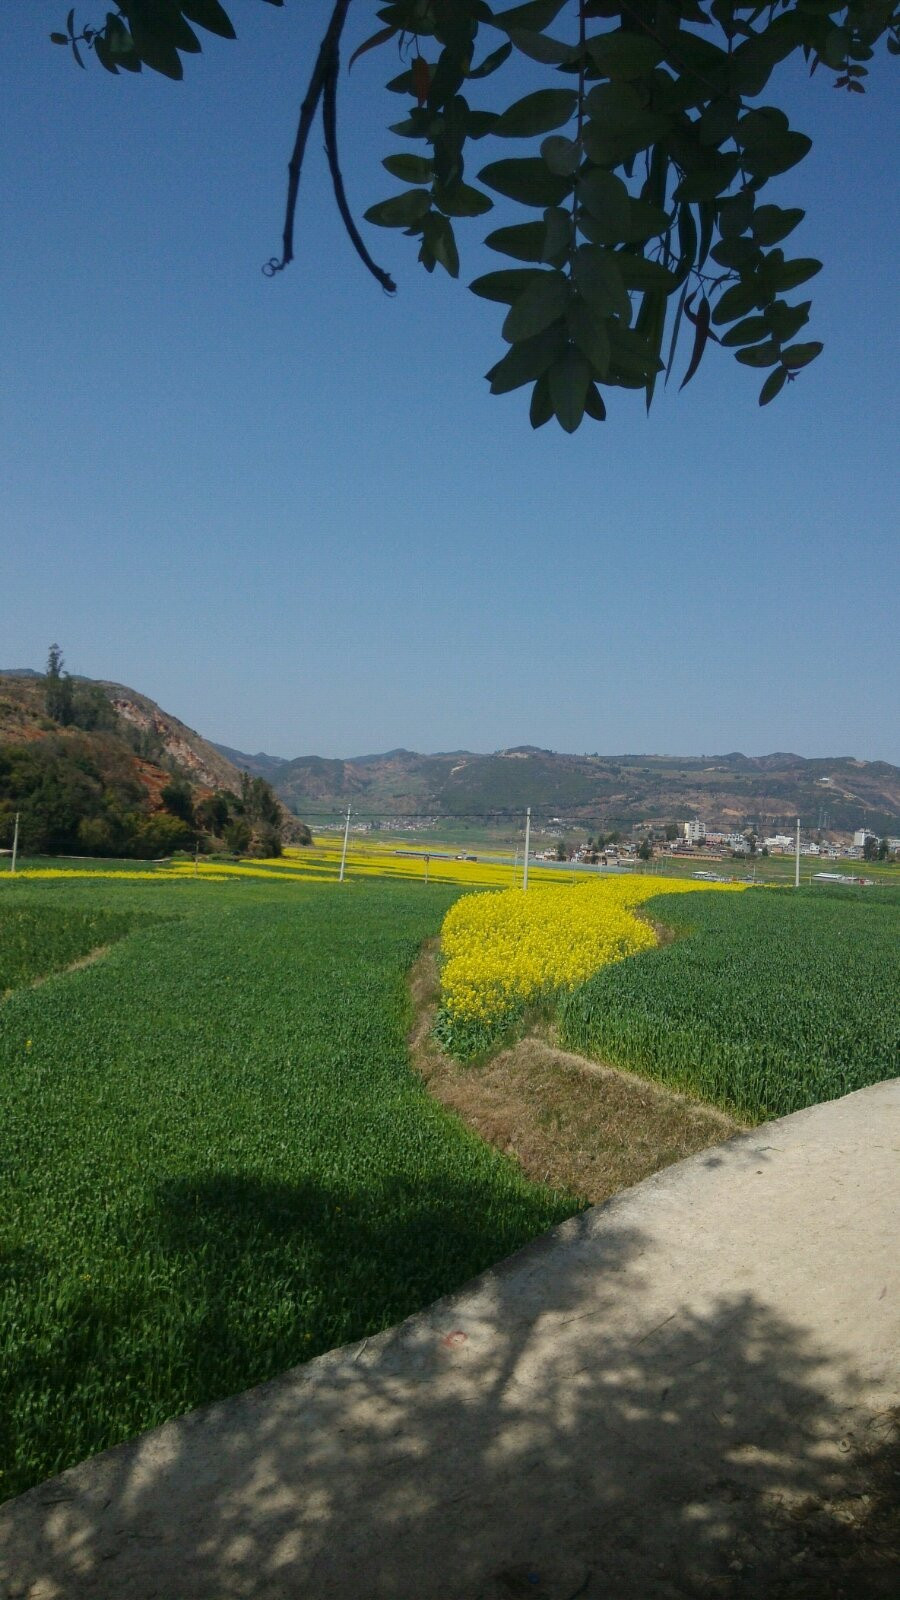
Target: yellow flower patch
[(508, 949)]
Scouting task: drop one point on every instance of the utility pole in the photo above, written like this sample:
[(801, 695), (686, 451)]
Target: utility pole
[(527, 838), (797, 858), (15, 848), (344, 851)]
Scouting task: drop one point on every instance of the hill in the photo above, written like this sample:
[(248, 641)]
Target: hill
[(116, 775), (839, 793)]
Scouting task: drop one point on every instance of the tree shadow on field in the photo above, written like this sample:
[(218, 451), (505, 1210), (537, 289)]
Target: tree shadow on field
[(552, 1432)]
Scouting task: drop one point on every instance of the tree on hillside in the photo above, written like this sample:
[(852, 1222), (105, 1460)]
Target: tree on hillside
[(262, 813), (58, 695), (178, 800), (645, 214)]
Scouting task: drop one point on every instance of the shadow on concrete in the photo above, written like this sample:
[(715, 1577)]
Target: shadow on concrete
[(503, 1444)]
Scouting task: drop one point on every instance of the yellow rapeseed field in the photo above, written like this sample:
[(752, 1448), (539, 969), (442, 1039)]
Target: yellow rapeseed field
[(505, 950), (318, 863)]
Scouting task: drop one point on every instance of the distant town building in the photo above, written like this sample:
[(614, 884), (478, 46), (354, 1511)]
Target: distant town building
[(695, 832), (861, 836)]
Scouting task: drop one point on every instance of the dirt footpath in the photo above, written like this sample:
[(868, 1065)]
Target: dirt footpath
[(685, 1393)]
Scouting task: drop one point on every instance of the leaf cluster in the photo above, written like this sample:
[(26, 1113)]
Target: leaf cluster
[(650, 149)]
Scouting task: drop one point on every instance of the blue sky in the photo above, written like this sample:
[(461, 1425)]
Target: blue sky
[(290, 511)]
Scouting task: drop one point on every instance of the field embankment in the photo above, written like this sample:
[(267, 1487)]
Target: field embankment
[(574, 1124)]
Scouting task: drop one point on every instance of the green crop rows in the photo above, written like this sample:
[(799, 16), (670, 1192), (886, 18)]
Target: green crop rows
[(775, 999), (215, 1160), (35, 941)]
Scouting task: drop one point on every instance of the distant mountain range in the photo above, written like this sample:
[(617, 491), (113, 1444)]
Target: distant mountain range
[(836, 792), (596, 792)]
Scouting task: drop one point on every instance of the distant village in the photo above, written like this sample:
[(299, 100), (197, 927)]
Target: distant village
[(692, 838)]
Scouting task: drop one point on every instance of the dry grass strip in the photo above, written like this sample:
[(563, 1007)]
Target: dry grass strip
[(575, 1124)]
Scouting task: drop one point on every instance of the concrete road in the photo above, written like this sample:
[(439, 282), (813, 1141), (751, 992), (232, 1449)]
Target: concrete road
[(683, 1393)]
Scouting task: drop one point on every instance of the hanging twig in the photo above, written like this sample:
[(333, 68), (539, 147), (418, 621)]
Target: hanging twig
[(329, 125), (309, 106)]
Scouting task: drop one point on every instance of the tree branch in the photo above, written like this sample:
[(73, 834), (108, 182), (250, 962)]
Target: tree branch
[(328, 53), (329, 124)]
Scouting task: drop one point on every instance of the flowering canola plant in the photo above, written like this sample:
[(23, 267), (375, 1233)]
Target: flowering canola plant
[(503, 951)]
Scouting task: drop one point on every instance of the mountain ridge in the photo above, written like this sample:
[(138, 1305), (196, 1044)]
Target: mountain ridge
[(837, 793)]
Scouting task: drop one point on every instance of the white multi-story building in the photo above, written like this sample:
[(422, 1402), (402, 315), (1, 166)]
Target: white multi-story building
[(695, 832), (860, 837)]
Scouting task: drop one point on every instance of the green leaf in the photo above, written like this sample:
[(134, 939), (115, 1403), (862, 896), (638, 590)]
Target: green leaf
[(527, 180), (593, 405), (461, 200), (785, 321), (155, 52), (101, 51), (120, 44), (620, 123), (645, 222), (611, 147), (687, 242), (535, 15), (624, 55), (504, 286), (558, 233), (753, 62), (410, 169), (789, 274), (599, 280), (525, 241), (771, 224), (491, 62), (637, 272), (761, 125), (208, 14), (800, 355), (773, 385), (527, 359), (541, 409), (749, 331), (779, 154), (608, 201), (562, 156), (736, 253), (736, 302), (709, 180), (615, 105), (542, 303), (479, 123), (401, 210), (550, 52), (632, 353), (536, 113), (437, 236), (570, 379), (718, 121), (760, 355), (590, 333), (735, 213)]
